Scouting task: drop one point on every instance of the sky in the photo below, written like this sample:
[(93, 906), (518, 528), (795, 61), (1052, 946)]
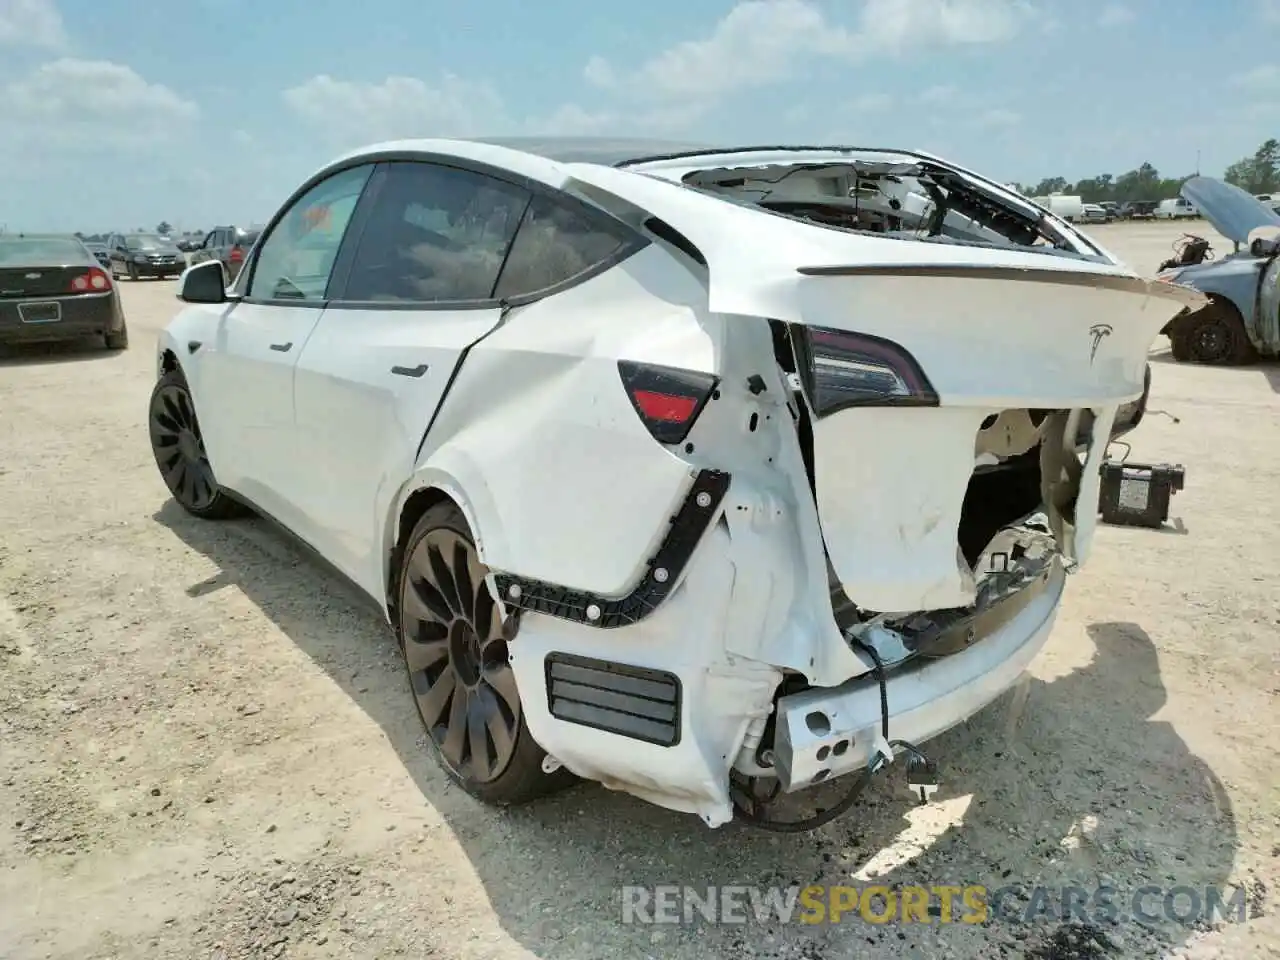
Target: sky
[(121, 114)]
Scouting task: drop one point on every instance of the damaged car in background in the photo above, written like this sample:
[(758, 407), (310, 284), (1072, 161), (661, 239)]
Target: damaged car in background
[(1241, 321), (709, 474)]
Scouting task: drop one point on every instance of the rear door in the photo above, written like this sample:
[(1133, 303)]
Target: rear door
[(416, 291), (246, 372)]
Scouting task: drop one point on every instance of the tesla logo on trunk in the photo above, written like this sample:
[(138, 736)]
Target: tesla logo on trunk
[(1097, 332)]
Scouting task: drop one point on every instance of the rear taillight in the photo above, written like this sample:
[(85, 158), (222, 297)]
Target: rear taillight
[(667, 399), (236, 255), (91, 281), (858, 370)]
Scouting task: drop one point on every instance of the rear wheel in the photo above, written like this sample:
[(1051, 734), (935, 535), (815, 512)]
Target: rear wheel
[(451, 634), (179, 452), (1216, 335)]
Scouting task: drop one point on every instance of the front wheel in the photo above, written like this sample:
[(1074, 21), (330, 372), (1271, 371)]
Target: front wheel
[(179, 452), (451, 634), (1216, 335)]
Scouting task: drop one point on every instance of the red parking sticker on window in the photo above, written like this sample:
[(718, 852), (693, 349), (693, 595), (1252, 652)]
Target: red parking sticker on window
[(316, 218)]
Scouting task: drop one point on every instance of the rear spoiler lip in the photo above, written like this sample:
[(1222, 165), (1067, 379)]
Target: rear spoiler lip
[(1073, 278)]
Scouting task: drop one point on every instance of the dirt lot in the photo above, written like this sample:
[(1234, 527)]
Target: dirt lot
[(207, 748)]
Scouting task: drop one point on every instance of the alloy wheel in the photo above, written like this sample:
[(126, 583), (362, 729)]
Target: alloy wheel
[(457, 657), (179, 448), (1211, 343)]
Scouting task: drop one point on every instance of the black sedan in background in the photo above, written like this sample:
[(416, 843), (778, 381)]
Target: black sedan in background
[(138, 255), (53, 288)]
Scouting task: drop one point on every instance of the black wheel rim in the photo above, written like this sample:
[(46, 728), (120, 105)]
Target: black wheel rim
[(179, 448), (457, 657), (1212, 342)]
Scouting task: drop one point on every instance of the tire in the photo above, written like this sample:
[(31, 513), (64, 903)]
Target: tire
[(1179, 348), (179, 452), (119, 340), (1216, 335), (451, 637), (133, 272)]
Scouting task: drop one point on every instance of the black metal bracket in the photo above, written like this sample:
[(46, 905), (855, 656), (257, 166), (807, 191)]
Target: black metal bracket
[(662, 570)]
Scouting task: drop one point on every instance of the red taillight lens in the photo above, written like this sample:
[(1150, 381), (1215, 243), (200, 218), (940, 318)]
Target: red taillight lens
[(855, 369), (236, 255), (667, 399), (91, 281)]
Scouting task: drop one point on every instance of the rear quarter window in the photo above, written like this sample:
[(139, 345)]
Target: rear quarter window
[(554, 244)]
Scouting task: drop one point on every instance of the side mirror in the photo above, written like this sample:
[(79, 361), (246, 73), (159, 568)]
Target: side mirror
[(204, 283)]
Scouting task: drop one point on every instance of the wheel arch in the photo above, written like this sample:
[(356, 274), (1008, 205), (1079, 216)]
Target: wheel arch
[(168, 363), (434, 483)]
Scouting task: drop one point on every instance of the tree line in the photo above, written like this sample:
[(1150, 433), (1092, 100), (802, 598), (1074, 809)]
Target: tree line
[(1259, 173)]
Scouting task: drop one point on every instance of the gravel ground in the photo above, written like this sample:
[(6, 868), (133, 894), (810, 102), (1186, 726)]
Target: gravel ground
[(207, 748)]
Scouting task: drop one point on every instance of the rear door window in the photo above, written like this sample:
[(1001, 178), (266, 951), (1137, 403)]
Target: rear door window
[(555, 244), (435, 234)]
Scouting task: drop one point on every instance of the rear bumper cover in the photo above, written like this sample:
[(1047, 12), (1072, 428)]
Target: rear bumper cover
[(81, 316), (825, 733)]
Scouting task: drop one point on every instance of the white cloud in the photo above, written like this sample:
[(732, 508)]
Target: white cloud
[(1114, 15), (35, 23), (760, 42), (901, 24), (599, 73), (755, 44), (354, 113), (91, 101)]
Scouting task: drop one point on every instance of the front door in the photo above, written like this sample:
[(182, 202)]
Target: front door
[(418, 294), (249, 366)]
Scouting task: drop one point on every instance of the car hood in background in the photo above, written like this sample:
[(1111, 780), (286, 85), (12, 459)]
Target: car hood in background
[(1233, 213)]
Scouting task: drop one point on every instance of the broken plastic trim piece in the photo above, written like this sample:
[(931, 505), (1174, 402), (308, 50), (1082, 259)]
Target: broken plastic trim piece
[(668, 400), (844, 369), (701, 506)]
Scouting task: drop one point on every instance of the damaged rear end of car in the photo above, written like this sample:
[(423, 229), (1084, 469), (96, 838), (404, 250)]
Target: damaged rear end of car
[(893, 452)]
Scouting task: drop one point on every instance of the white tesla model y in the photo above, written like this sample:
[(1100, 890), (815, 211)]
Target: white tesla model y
[(687, 470)]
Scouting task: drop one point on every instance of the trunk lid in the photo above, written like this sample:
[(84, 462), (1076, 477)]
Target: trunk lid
[(1009, 355), (20, 283), (1233, 212)]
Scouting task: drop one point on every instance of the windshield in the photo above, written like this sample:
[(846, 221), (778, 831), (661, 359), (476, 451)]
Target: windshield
[(39, 252), (147, 241)]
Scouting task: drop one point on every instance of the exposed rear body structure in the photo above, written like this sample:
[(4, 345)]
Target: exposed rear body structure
[(667, 463)]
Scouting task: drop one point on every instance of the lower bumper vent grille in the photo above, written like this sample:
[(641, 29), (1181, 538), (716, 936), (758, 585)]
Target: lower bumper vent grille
[(632, 702)]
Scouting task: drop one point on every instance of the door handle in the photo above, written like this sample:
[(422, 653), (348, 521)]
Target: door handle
[(417, 371), (282, 347)]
